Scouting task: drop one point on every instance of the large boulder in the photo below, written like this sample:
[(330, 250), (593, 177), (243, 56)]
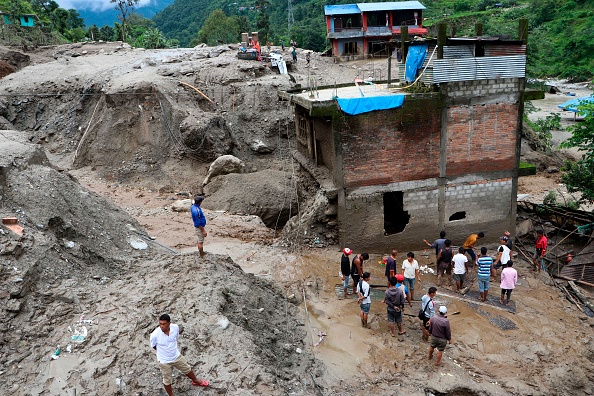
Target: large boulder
[(224, 165), (269, 194)]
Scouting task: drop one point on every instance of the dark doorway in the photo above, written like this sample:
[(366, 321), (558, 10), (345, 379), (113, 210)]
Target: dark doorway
[(457, 216), (395, 217)]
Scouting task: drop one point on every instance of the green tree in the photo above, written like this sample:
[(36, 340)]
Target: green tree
[(44, 8), (106, 33), (263, 21), (218, 28), (15, 9), (152, 38), (74, 19), (580, 175), (59, 19), (93, 33), (126, 8)]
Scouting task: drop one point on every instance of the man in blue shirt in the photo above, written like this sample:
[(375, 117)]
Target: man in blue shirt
[(199, 223), (485, 270)]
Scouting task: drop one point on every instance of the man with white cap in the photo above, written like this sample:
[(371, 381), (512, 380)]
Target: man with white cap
[(345, 270), (439, 327)]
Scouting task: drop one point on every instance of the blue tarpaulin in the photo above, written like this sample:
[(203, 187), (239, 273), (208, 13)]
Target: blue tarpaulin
[(571, 105), (354, 106), (414, 61)]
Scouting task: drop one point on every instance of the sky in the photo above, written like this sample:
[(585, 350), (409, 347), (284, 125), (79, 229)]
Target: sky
[(95, 5)]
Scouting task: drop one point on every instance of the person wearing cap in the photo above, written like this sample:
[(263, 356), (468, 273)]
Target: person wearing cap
[(504, 254), (400, 285), (364, 291), (199, 223), (441, 335), (510, 242), (345, 270), (391, 266), (541, 249), (410, 270)]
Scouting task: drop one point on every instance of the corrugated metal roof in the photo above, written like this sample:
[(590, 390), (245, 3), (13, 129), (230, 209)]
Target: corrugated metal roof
[(583, 272), (504, 50), (468, 69), (391, 6), (341, 9), (458, 51)]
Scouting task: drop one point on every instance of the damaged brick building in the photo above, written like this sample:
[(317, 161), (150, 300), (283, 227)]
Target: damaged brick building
[(442, 160)]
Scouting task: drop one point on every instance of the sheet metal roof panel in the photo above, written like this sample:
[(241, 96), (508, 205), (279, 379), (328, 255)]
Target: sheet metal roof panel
[(469, 69), (391, 6), (341, 9)]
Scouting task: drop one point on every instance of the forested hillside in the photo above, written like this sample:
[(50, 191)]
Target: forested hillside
[(561, 36)]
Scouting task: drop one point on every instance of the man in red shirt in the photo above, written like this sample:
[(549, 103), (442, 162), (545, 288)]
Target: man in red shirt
[(541, 249)]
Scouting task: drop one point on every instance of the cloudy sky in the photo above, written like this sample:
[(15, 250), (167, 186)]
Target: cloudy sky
[(95, 5)]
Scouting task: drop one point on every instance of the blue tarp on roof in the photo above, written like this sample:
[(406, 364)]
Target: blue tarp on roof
[(391, 6), (571, 105), (341, 9), (345, 9), (354, 106), (414, 61)]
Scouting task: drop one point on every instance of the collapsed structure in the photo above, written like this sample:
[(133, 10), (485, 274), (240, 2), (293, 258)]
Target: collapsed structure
[(400, 165)]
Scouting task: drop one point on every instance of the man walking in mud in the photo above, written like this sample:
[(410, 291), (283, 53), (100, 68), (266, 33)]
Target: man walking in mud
[(199, 223), (441, 335), (345, 270), (164, 340)]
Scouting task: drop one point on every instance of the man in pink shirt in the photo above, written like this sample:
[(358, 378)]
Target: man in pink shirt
[(509, 278)]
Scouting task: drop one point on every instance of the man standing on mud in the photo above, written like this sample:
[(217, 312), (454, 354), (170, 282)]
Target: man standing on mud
[(410, 270), (164, 341), (364, 290), (439, 327), (391, 266), (541, 249), (199, 223), (357, 268), (469, 246), (438, 244), (444, 262), (345, 270)]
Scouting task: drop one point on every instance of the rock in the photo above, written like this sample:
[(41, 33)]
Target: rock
[(12, 248), (14, 305), (224, 165), (199, 55), (201, 45), (218, 51), (552, 169), (182, 205), (260, 147)]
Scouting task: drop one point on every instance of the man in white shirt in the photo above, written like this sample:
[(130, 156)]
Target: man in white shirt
[(503, 254), (410, 270), (164, 341), (363, 290), (460, 261)]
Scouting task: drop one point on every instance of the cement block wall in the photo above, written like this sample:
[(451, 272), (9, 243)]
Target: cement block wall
[(447, 153)]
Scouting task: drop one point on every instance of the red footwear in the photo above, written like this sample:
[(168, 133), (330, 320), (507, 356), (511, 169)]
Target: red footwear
[(202, 383)]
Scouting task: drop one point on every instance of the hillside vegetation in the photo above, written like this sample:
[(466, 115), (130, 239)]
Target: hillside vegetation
[(561, 34)]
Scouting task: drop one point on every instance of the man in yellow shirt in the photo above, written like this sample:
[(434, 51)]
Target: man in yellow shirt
[(469, 246)]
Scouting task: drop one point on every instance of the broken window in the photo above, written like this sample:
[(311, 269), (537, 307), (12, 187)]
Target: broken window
[(350, 48), (457, 216), (395, 217)]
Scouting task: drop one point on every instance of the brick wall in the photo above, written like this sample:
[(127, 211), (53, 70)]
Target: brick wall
[(393, 145), (481, 138)]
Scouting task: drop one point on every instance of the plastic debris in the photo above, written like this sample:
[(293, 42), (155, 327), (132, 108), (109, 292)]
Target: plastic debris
[(322, 335), (138, 244)]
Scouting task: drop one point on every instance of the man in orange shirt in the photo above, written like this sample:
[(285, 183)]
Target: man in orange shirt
[(469, 246)]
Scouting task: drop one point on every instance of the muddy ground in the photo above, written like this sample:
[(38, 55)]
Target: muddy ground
[(102, 140)]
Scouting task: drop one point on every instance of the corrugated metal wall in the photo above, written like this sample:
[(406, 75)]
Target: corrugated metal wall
[(468, 69)]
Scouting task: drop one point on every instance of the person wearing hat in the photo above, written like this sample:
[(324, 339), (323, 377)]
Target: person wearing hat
[(400, 285), (345, 270), (439, 327), (504, 254), (541, 249), (510, 242), (199, 223)]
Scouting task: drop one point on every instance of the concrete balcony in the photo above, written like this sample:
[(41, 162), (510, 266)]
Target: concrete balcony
[(346, 33), (378, 31)]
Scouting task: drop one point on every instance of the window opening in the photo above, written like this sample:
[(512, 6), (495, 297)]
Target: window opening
[(457, 216)]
